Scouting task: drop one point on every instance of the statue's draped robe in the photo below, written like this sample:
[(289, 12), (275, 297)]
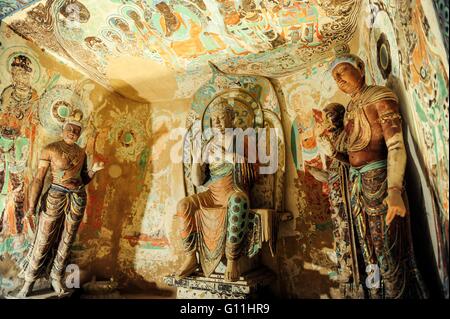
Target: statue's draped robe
[(61, 212), (343, 223), (388, 247), (218, 221)]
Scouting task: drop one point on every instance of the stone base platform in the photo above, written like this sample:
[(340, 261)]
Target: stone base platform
[(196, 286), (42, 290), (42, 294)]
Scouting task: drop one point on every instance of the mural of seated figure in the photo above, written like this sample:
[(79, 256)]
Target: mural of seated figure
[(218, 221)]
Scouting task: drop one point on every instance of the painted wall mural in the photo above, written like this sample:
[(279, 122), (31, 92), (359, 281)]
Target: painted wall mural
[(180, 36), (127, 231), (147, 245), (37, 95), (442, 11), (9, 7)]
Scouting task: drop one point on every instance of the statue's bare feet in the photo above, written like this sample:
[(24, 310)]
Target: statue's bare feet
[(188, 267), (232, 272), (57, 286), (26, 290)]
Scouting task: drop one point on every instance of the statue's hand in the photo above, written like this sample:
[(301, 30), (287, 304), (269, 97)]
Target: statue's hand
[(29, 213), (311, 168), (197, 147), (396, 206), (321, 129), (191, 118), (98, 166), (326, 146)]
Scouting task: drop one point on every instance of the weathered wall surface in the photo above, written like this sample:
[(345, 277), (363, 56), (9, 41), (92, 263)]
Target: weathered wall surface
[(148, 246)]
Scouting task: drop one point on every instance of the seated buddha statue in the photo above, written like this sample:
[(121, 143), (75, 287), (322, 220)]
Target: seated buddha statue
[(217, 222)]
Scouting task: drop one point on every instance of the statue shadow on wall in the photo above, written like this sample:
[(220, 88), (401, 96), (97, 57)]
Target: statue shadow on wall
[(132, 248)]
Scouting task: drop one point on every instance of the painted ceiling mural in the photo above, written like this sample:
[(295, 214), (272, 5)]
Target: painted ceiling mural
[(165, 44), (8, 7)]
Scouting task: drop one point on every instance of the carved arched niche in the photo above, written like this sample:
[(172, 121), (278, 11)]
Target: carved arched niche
[(256, 106)]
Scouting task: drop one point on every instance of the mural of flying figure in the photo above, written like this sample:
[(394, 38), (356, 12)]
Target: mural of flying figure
[(17, 131)]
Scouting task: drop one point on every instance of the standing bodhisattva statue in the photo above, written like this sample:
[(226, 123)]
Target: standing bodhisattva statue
[(62, 207), (377, 157)]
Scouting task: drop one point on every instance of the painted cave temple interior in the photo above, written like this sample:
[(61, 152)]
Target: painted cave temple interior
[(224, 149)]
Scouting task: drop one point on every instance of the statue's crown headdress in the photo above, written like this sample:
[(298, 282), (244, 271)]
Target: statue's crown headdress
[(346, 58), (75, 119)]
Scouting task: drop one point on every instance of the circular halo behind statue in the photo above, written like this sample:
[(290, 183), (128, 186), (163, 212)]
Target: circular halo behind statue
[(247, 110)]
